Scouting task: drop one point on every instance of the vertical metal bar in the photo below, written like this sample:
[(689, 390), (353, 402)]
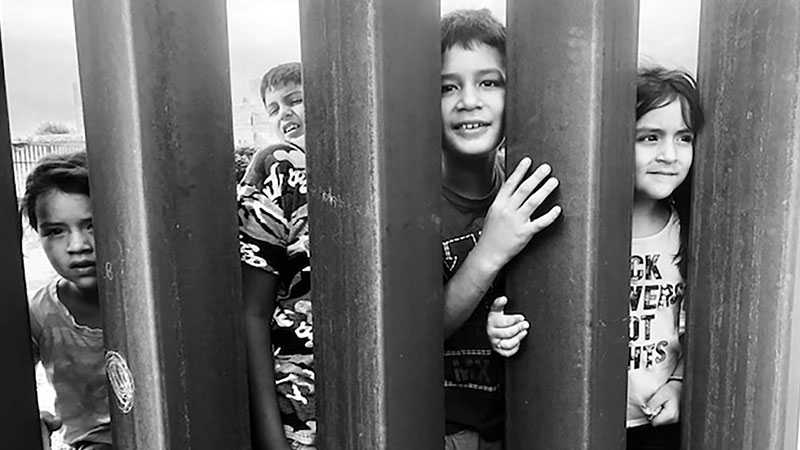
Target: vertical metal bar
[(156, 97), (744, 279), (571, 104), (19, 416), (372, 106)]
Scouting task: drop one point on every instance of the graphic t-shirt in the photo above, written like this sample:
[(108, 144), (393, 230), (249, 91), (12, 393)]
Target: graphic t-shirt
[(73, 357), (656, 318), (473, 373), (273, 236)]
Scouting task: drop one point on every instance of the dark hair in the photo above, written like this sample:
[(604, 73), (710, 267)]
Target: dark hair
[(657, 87), (280, 76), (62, 172), (467, 27)]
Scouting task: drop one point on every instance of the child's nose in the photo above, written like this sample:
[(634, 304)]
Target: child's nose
[(469, 98), (668, 152), (80, 242)]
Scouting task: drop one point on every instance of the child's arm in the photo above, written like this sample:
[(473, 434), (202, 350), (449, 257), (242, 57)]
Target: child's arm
[(259, 290), (505, 331), (507, 229)]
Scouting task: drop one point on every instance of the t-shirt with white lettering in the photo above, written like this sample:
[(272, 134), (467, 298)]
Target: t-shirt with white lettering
[(656, 297), (74, 361)]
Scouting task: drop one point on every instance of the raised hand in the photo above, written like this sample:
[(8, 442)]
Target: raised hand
[(508, 226)]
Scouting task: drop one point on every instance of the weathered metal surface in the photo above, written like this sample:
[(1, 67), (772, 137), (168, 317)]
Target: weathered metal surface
[(156, 98), (571, 104), (371, 78), (19, 415), (743, 387)]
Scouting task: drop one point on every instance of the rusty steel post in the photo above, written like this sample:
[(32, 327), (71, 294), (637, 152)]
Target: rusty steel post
[(743, 386), (156, 98), (19, 416), (371, 76), (570, 103)]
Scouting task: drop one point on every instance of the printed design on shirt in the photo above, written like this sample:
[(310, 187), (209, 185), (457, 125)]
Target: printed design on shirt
[(471, 369), (650, 297), (456, 250), (273, 236)]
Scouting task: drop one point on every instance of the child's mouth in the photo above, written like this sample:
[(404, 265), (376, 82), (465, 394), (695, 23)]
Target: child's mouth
[(290, 128), (469, 126)]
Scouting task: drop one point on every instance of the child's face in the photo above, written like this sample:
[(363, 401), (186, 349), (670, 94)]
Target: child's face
[(286, 111), (664, 152), (65, 231), (473, 99)]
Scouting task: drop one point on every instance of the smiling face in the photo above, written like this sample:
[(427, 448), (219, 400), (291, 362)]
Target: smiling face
[(64, 222), (286, 111), (664, 152), (473, 99)]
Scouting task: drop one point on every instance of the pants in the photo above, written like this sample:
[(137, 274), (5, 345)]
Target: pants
[(470, 440), (648, 437)]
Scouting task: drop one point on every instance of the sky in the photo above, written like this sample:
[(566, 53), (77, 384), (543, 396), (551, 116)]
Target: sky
[(41, 68)]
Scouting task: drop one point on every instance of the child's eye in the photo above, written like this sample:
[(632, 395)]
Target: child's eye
[(647, 138), (51, 232), (687, 138), (296, 101), (447, 88), (491, 83)]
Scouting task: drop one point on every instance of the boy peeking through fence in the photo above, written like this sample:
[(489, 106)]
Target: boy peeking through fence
[(274, 249), (486, 221)]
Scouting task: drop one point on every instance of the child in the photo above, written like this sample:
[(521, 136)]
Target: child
[(65, 314), (668, 116), (273, 238), (485, 222)]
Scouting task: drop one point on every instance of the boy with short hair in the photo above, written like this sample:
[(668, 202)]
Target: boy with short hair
[(65, 314), (485, 222), (274, 248)]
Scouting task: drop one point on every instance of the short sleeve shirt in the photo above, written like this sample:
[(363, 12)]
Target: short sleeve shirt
[(73, 357)]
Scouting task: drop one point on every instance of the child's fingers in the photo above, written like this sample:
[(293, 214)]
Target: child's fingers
[(523, 192), (512, 331), (515, 178), (536, 199), (508, 347), (545, 220), (668, 413)]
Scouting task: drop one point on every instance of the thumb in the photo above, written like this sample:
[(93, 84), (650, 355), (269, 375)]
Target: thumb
[(499, 304)]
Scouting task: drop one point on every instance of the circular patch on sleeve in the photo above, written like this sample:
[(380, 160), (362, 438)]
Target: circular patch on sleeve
[(121, 380)]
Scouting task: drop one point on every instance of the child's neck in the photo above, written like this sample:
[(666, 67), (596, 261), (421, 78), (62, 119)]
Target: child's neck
[(83, 304), (469, 177), (648, 217)]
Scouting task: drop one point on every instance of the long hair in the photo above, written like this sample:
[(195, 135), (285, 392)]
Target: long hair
[(657, 87)]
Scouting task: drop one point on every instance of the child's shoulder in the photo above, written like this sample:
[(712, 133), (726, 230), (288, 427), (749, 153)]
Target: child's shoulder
[(287, 153), (43, 303)]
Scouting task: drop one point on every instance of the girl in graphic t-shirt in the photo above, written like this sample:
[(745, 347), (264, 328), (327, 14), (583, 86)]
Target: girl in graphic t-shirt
[(668, 116)]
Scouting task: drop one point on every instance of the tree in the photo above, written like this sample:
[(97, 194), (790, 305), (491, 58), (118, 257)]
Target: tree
[(46, 128)]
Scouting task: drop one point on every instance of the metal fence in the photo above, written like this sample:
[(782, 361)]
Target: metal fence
[(24, 154)]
